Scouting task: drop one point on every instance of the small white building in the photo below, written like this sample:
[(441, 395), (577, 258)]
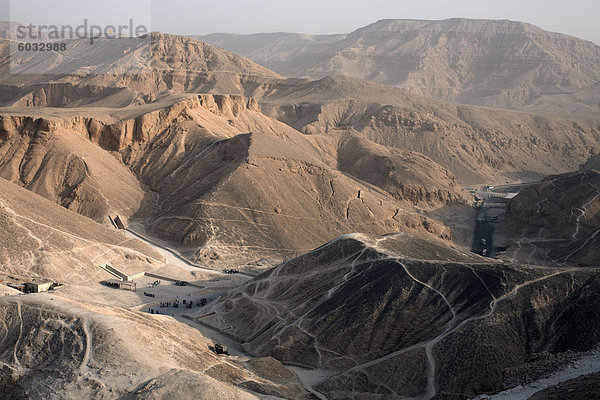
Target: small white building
[(38, 286)]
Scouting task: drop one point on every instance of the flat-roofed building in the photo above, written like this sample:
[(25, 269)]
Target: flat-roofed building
[(38, 286)]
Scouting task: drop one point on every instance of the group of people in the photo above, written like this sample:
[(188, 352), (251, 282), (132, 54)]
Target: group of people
[(231, 271), (175, 304)]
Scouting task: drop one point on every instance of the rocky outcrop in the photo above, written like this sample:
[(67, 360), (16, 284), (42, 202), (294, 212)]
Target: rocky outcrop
[(405, 175), (66, 95), (133, 72), (142, 129), (55, 159)]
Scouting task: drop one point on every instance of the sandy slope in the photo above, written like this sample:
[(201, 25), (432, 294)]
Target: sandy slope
[(58, 348), (43, 239)]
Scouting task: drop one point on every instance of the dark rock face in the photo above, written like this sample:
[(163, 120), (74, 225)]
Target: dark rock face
[(559, 218), (393, 325)]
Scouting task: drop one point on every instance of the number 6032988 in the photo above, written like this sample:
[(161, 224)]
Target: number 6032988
[(42, 46)]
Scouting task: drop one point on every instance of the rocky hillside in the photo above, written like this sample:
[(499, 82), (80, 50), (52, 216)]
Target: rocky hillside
[(214, 171), (401, 317), (42, 239), (59, 348), (53, 159), (557, 220), (231, 178), (121, 73), (485, 62), (403, 174), (477, 144)]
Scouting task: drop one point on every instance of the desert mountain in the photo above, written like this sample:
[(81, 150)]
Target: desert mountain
[(379, 318), (485, 62), (477, 144), (43, 239), (200, 170), (403, 174), (224, 163), (56, 348), (123, 72), (51, 159), (208, 173), (557, 221)]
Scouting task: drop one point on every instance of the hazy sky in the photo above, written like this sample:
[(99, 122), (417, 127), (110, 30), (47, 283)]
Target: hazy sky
[(575, 17)]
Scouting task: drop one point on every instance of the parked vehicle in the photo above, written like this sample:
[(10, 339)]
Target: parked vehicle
[(221, 349)]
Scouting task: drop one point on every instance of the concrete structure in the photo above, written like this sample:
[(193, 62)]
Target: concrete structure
[(136, 276), (18, 286), (120, 274), (38, 286), (119, 223), (114, 271)]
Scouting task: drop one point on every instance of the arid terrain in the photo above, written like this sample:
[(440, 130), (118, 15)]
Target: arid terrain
[(503, 64), (354, 225)]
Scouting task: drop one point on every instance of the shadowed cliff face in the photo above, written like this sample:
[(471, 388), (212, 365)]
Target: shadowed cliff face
[(557, 221), (393, 322)]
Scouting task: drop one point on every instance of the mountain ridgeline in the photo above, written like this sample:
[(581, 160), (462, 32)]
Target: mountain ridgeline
[(491, 63), (313, 203)]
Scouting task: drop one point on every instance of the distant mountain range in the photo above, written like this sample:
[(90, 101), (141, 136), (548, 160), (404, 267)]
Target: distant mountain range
[(483, 62), (225, 163)]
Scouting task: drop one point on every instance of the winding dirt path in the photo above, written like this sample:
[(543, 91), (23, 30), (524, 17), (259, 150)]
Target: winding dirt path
[(453, 326), (87, 356)]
